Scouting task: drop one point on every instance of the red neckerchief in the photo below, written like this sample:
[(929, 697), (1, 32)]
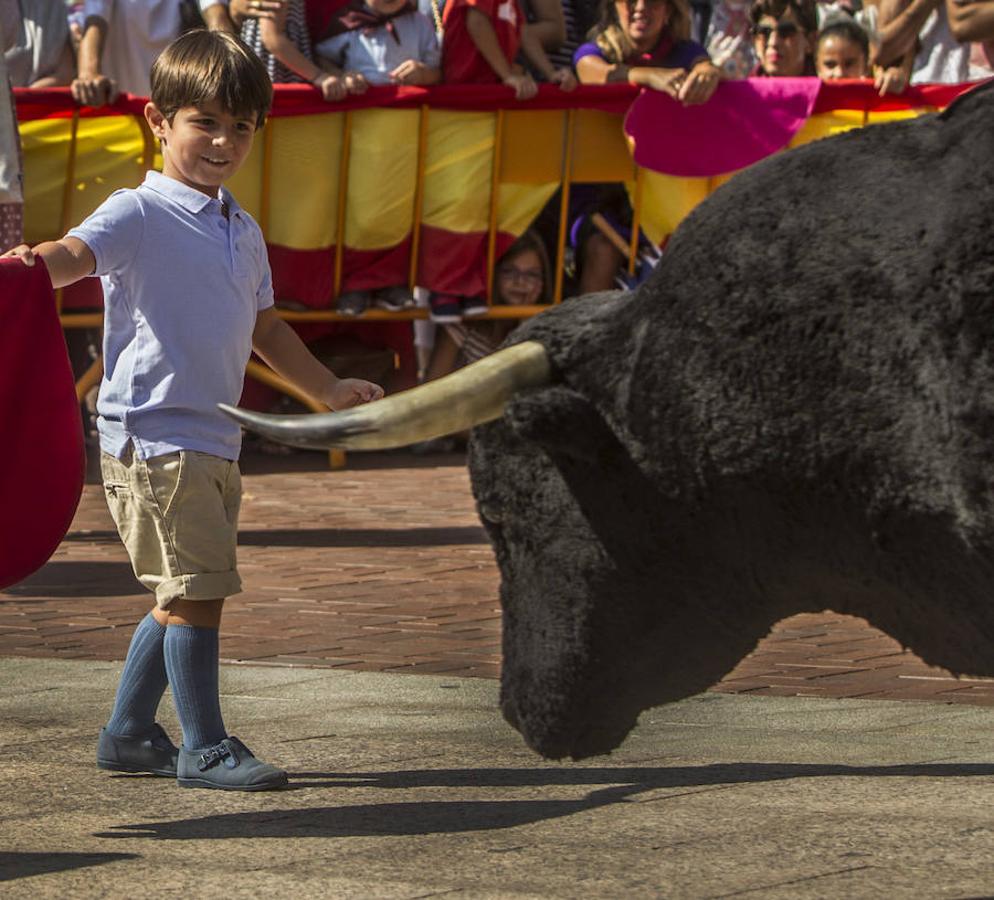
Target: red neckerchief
[(657, 55), (360, 16)]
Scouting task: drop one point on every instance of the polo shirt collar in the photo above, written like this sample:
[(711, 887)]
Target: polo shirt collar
[(189, 198)]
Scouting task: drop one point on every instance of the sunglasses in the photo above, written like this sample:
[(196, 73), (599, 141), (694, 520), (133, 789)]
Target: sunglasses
[(783, 30)]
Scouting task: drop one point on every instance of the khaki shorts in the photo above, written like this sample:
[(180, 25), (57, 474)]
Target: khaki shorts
[(178, 517)]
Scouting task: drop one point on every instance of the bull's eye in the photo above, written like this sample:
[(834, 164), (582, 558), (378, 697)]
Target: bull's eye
[(490, 512)]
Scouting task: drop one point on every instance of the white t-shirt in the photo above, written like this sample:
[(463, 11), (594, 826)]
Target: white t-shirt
[(137, 32), (941, 59)]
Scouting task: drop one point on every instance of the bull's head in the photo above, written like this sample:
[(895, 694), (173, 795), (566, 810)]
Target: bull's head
[(796, 411)]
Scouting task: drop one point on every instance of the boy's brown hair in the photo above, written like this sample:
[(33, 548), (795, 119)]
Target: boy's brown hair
[(201, 66)]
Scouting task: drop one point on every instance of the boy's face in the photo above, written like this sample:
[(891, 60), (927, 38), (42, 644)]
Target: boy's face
[(385, 7), (839, 57), (204, 145)]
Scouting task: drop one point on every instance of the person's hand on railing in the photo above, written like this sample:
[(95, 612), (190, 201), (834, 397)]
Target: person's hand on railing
[(522, 84), (890, 80), (94, 90), (666, 81), (413, 71), (355, 83), (699, 84), (564, 78), (331, 86)]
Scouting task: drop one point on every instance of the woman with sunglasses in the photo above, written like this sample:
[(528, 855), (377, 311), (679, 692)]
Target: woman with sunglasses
[(647, 42), (783, 35)]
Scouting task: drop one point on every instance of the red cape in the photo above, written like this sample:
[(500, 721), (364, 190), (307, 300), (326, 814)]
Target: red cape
[(42, 461)]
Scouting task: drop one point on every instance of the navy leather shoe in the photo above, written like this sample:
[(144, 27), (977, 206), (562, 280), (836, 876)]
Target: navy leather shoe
[(227, 766), (153, 752)]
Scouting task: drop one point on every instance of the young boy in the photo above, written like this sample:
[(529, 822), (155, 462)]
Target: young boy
[(380, 42), (188, 295)]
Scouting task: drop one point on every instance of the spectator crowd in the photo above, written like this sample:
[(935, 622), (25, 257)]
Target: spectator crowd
[(683, 48)]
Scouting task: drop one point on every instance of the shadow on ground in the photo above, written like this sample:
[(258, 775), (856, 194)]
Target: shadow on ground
[(453, 816), (323, 537), (79, 579), (23, 865)]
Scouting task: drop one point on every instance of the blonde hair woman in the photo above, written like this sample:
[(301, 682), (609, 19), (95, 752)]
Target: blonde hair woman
[(647, 42)]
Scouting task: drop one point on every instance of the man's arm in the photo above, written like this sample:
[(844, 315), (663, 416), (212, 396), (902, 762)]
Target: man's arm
[(549, 25), (287, 355), (216, 18), (899, 23), (67, 260), (971, 20), (91, 87)]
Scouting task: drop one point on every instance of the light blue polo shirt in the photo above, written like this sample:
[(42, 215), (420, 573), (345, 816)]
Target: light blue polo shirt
[(377, 54), (182, 284)]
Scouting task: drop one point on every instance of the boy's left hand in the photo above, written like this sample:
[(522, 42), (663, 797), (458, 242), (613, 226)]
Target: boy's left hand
[(564, 78), (410, 71), (349, 392)]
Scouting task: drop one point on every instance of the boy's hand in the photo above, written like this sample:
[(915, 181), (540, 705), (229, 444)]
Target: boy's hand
[(349, 392), (355, 83), (410, 71), (22, 252), (523, 85), (331, 87), (564, 78)]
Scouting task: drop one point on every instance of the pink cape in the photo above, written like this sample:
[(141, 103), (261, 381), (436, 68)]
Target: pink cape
[(741, 124), (42, 460)]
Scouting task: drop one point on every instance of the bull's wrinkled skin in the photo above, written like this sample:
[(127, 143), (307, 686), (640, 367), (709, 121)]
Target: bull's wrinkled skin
[(796, 412)]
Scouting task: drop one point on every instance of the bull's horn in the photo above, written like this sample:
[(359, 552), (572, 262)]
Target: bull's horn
[(475, 394)]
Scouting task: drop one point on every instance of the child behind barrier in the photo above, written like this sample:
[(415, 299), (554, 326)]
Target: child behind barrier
[(280, 39), (521, 278), (188, 296), (842, 50), (381, 42)]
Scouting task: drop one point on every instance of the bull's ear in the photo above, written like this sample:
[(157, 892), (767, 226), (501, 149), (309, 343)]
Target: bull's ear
[(562, 421)]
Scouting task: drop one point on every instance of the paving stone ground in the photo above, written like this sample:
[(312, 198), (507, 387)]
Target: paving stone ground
[(384, 567)]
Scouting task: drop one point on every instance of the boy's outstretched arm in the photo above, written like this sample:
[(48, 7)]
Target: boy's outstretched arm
[(67, 260), (287, 355)]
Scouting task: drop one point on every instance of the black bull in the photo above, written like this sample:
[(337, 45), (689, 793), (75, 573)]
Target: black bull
[(795, 412)]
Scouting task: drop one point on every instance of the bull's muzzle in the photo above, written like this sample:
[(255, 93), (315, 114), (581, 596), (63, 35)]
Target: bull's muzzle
[(475, 394)]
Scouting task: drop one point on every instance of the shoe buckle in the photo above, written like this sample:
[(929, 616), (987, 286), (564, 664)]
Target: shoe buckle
[(213, 756)]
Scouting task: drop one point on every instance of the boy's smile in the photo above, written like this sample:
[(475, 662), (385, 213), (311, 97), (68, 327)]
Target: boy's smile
[(204, 145)]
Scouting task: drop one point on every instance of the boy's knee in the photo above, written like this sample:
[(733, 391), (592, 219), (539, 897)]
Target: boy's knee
[(198, 613)]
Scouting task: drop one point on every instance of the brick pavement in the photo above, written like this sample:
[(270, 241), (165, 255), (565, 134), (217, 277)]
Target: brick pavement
[(384, 567)]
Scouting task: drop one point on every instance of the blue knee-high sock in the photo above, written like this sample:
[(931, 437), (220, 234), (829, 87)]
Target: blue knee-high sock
[(191, 661), (143, 681)]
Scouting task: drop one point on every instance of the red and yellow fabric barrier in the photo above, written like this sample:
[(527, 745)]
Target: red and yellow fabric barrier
[(428, 186)]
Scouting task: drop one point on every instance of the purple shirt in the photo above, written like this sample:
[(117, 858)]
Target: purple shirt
[(682, 55)]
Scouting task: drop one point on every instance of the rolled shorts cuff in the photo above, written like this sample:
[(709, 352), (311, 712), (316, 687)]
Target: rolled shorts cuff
[(200, 586)]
